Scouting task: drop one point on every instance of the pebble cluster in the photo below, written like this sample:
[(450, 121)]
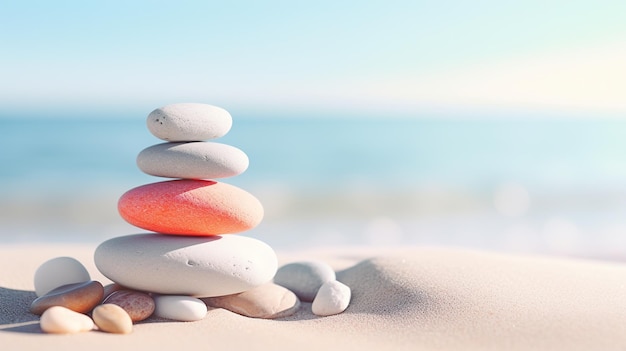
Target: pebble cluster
[(190, 259), (315, 281)]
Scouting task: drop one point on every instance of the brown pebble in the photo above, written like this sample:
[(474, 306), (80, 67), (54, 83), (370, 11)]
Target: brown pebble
[(112, 319), (138, 305), (78, 297), (266, 301)]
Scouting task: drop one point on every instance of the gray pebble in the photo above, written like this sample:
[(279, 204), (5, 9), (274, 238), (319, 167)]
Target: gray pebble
[(304, 278)]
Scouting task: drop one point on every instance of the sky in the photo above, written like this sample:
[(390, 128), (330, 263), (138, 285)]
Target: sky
[(323, 57)]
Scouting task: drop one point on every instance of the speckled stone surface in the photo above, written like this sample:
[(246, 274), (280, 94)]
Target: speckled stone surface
[(189, 122)]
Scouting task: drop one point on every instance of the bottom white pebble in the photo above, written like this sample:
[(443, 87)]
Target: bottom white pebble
[(61, 320), (332, 298), (179, 308)]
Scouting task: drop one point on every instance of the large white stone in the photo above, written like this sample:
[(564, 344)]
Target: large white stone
[(57, 272), (179, 308), (192, 160), (189, 122), (184, 265)]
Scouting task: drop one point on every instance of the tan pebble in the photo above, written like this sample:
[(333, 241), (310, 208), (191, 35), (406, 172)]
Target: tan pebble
[(266, 301), (112, 319), (61, 320), (138, 305), (79, 297)]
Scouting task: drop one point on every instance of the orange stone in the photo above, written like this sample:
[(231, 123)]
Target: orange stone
[(191, 207)]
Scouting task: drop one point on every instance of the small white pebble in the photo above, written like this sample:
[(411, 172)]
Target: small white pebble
[(332, 298), (179, 308), (61, 320), (57, 272)]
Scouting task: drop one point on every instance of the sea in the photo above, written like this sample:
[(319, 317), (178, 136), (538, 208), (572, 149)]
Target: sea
[(509, 184)]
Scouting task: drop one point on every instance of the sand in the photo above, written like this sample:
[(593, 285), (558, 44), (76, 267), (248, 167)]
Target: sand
[(403, 299)]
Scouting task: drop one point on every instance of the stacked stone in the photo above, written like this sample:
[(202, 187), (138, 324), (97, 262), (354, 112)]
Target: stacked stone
[(191, 251)]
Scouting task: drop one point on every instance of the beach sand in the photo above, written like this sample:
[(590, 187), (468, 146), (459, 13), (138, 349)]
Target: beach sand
[(403, 299)]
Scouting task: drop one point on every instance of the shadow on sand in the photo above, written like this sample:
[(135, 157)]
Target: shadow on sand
[(14, 311)]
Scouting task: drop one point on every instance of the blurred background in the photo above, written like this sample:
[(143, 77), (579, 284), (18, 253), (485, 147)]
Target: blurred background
[(485, 124)]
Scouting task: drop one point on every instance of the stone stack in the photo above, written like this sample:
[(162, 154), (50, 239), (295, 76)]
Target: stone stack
[(192, 250), (191, 256)]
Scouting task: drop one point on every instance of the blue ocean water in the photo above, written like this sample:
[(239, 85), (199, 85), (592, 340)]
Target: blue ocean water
[(313, 152), (335, 181)]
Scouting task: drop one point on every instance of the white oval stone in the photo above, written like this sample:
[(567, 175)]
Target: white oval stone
[(179, 308), (189, 122), (186, 265), (61, 320), (332, 298), (304, 278), (192, 160), (57, 272)]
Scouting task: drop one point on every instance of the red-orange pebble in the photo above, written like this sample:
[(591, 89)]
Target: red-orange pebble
[(191, 207)]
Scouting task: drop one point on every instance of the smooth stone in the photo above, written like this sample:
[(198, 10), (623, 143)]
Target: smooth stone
[(183, 265), (191, 207), (192, 160), (57, 272), (112, 319), (179, 308), (189, 122), (332, 298), (60, 320), (267, 301), (138, 305), (304, 278), (78, 297)]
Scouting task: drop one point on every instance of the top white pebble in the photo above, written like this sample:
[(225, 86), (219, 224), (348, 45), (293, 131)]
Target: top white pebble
[(189, 122)]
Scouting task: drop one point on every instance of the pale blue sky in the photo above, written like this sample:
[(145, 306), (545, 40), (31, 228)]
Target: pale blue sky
[(327, 56)]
